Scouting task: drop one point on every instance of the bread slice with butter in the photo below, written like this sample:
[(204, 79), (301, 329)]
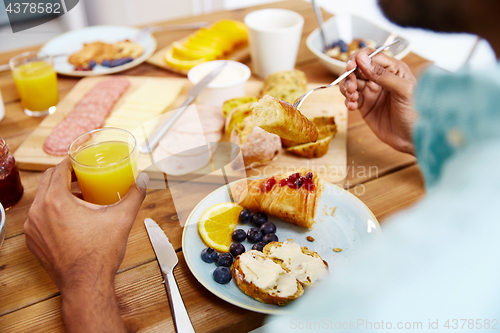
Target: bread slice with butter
[(306, 265), (264, 279)]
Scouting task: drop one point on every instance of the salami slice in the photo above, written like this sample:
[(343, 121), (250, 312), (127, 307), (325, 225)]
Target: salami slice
[(88, 114)]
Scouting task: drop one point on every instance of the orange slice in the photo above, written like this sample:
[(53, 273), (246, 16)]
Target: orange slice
[(180, 63), (217, 225)]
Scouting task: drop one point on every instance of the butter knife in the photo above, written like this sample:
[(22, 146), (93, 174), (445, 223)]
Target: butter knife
[(167, 258), (152, 141)]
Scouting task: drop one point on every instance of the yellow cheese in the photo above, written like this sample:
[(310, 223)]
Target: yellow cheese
[(156, 92)]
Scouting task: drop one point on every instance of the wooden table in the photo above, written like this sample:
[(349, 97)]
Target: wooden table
[(384, 179)]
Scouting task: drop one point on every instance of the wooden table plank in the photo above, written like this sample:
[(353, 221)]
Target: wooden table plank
[(141, 297), (392, 193)]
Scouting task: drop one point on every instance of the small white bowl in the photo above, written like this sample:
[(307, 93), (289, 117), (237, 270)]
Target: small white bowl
[(356, 27), (2, 224), (230, 83)]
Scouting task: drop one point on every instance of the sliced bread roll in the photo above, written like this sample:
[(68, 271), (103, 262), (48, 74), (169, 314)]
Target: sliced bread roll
[(305, 265), (265, 280)]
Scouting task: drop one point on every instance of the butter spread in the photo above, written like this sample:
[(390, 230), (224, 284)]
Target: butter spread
[(304, 267), (266, 274), (229, 75)]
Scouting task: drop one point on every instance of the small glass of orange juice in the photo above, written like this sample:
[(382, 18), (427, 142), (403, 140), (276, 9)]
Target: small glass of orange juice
[(105, 164), (36, 82)]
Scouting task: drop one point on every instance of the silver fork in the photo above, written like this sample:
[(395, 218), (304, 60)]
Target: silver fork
[(298, 102)]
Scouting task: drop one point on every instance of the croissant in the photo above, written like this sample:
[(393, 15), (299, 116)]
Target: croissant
[(292, 197), (282, 118)]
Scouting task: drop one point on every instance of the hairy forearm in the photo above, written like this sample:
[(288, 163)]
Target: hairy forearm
[(91, 308)]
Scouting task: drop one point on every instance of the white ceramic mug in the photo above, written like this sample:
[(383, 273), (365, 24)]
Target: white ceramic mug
[(274, 37)]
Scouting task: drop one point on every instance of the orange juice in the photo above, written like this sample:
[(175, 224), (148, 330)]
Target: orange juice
[(105, 171), (36, 84)]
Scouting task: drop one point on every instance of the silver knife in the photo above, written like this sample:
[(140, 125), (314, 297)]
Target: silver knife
[(151, 142), (167, 258)]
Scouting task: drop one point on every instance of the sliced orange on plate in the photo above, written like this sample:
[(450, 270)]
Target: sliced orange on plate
[(217, 225)]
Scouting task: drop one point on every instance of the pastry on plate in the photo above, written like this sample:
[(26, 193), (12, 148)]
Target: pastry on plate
[(283, 119), (292, 197), (265, 280)]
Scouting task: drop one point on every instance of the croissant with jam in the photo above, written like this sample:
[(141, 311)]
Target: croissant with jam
[(292, 197)]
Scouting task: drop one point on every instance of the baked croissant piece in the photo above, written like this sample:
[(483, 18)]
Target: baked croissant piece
[(292, 197), (283, 119)]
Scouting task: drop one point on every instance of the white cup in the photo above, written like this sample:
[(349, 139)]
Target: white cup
[(274, 37)]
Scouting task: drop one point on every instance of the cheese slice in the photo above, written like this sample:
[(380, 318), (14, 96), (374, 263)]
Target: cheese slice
[(133, 114), (156, 92), (141, 111)]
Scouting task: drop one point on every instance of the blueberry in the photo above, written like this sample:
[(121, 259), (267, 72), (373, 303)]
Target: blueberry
[(236, 249), (245, 216), (222, 275), (258, 246), (258, 219), (361, 44), (268, 228), (334, 44), (127, 60), (92, 63), (254, 235), (209, 255), (239, 235), (106, 63), (225, 259), (116, 63), (270, 238), (343, 46)]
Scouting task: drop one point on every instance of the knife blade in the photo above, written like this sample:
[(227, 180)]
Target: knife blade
[(151, 142), (164, 250), (167, 259)]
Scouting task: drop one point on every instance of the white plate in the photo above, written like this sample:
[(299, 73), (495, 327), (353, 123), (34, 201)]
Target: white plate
[(73, 41), (349, 228)]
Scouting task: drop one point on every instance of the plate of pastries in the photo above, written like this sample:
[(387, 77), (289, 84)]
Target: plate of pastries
[(262, 243), (99, 50)]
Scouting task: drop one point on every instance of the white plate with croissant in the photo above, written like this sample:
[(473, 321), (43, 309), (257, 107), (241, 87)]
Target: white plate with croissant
[(332, 223)]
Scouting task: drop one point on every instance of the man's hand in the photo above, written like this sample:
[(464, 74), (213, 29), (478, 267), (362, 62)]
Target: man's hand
[(81, 245), (382, 89)]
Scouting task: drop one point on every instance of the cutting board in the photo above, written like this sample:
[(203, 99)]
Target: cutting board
[(327, 102)]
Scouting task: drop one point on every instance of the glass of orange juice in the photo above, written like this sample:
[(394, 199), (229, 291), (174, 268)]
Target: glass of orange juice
[(36, 82), (105, 164)]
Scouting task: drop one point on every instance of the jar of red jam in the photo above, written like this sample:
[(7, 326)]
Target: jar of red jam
[(11, 189)]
